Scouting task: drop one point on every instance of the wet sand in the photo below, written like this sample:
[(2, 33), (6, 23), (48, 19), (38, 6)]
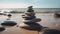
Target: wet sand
[(12, 30), (48, 20)]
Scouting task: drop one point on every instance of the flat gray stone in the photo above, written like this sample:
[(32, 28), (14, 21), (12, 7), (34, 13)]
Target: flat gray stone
[(30, 13), (28, 17), (2, 29), (8, 23), (32, 20)]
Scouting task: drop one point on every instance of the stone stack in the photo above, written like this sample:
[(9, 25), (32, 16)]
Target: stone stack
[(30, 20)]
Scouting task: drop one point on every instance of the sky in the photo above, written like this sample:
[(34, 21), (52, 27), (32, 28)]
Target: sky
[(26, 3)]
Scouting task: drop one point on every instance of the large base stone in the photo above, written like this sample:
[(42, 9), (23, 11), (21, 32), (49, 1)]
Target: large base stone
[(31, 26)]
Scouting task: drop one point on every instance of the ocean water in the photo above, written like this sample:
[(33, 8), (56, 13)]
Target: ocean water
[(55, 9)]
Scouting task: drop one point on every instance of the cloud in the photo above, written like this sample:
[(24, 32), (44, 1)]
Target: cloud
[(26, 3), (20, 5), (36, 1)]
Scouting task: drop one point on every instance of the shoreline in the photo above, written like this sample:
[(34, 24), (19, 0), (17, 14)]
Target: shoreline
[(22, 11)]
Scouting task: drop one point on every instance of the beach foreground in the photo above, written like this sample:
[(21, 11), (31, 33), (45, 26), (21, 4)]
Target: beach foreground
[(48, 20)]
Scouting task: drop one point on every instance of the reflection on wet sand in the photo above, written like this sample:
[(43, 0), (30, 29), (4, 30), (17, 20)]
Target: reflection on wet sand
[(48, 20), (7, 26), (12, 30)]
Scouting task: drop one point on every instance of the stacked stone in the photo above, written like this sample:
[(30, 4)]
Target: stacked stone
[(30, 20)]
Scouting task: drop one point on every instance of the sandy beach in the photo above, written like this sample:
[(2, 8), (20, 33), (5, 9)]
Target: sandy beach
[(48, 20)]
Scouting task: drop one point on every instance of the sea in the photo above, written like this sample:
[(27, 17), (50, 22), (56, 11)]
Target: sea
[(52, 9)]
